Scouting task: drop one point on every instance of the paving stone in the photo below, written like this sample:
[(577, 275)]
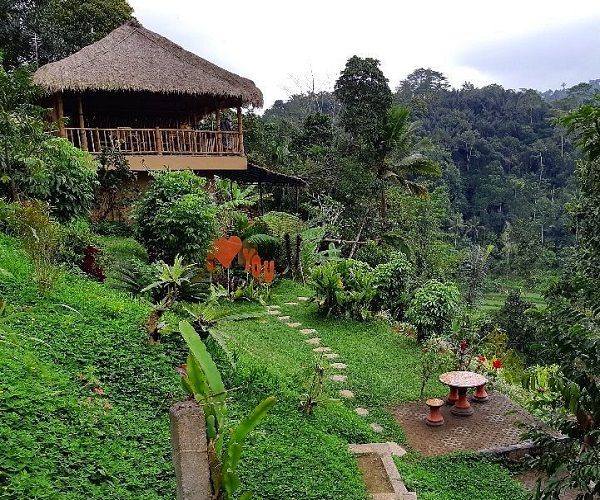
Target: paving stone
[(314, 341), (332, 355), (283, 318), (291, 303), (273, 307), (339, 366), (308, 331), (363, 412), (274, 312), (376, 427), (339, 378), (345, 393), (396, 449), (322, 349), (294, 325), (302, 299)]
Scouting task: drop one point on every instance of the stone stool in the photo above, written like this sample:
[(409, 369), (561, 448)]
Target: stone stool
[(434, 417), (452, 396), (480, 395)]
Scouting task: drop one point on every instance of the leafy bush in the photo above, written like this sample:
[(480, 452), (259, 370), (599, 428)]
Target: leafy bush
[(67, 182), (175, 216), (433, 307), (374, 254), (518, 325), (393, 282), (76, 237), (116, 183), (344, 288), (39, 236)]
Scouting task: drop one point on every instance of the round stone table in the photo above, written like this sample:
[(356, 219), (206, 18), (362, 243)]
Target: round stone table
[(459, 382)]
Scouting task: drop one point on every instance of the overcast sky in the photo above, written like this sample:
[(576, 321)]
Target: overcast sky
[(285, 46)]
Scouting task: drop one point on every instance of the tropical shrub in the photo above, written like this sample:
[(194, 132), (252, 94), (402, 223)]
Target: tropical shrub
[(393, 282), (175, 216), (39, 236), (519, 326), (66, 181), (433, 308), (116, 183), (374, 254), (76, 238), (344, 288)]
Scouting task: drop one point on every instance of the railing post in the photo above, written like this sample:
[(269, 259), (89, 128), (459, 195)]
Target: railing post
[(240, 131), (158, 139), (219, 134)]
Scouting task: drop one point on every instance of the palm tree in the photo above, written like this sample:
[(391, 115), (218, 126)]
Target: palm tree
[(401, 156)]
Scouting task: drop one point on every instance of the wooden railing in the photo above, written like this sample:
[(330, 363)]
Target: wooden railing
[(157, 141)]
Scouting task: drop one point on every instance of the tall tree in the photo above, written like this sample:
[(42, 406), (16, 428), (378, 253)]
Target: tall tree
[(42, 31)]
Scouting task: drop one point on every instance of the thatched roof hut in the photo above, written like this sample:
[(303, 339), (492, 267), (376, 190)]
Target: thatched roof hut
[(133, 58)]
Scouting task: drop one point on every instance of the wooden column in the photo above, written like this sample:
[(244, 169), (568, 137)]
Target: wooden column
[(240, 131), (60, 114), (219, 134), (158, 140), (82, 135)]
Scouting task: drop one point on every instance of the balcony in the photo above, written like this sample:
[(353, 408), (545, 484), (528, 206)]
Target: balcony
[(150, 148)]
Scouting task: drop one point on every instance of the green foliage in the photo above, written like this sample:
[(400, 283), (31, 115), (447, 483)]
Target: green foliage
[(41, 31), (116, 189), (40, 237), (474, 272), (175, 216), (344, 288), (202, 379), (513, 317), (363, 91), (88, 397), (76, 236), (393, 281), (373, 253), (433, 307), (457, 477)]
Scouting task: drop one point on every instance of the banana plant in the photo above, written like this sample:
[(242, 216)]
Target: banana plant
[(201, 378)]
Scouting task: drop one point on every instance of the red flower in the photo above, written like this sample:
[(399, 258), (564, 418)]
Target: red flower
[(463, 344), (98, 391), (481, 359), (497, 363), (425, 349)]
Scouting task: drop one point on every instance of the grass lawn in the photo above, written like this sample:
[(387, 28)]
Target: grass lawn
[(84, 400)]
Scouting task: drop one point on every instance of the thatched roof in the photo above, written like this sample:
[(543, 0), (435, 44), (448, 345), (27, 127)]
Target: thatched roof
[(133, 58)]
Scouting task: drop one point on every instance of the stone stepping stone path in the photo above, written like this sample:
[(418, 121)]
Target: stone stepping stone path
[(347, 394), (339, 366)]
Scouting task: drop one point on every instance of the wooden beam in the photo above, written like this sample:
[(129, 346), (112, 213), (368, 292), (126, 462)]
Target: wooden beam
[(60, 114), (240, 130), (219, 134), (82, 134)]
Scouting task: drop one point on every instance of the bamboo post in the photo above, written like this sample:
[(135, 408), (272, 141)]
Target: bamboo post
[(158, 139), (82, 134), (240, 131), (60, 115), (219, 134)]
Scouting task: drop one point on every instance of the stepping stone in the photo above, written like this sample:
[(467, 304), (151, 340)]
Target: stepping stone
[(291, 303), (322, 349), (339, 366), (339, 378), (274, 312), (294, 325), (376, 427), (273, 307), (283, 318), (345, 393), (308, 331), (332, 355), (314, 341), (302, 299), (363, 412), (396, 449)]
